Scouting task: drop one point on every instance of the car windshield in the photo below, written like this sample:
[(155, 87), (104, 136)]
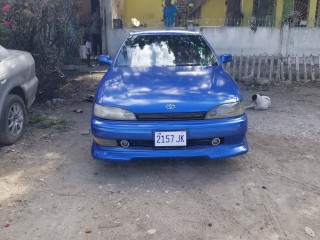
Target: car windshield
[(165, 50)]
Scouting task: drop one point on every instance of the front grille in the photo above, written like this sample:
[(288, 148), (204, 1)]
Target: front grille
[(170, 116), (190, 143)]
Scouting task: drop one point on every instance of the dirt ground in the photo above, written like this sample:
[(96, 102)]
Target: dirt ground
[(51, 188)]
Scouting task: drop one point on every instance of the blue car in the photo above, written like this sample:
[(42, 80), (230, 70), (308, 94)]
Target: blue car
[(166, 94)]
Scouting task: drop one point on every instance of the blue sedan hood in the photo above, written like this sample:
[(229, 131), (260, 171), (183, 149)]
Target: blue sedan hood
[(145, 90)]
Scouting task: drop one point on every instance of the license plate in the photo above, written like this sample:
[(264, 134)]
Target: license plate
[(170, 139)]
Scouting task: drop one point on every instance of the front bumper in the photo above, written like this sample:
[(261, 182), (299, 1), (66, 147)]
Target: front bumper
[(231, 130)]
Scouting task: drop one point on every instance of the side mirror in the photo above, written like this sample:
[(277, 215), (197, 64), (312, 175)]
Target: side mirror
[(105, 59), (224, 58)]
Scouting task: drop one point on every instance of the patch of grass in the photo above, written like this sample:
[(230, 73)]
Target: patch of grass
[(44, 121)]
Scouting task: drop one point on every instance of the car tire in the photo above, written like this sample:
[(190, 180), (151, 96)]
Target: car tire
[(13, 119)]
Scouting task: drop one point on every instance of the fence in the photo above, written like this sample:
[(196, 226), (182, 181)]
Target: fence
[(275, 69)]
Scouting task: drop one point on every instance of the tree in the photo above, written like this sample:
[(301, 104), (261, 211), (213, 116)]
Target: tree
[(42, 27)]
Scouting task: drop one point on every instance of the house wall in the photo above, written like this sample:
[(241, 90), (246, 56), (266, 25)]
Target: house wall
[(151, 10), (144, 11), (265, 41), (242, 41), (302, 41), (235, 40), (247, 8), (213, 9)]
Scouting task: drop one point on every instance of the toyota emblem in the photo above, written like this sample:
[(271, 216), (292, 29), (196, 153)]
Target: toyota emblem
[(170, 106)]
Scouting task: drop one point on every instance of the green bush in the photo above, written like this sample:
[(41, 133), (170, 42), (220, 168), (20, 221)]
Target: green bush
[(44, 29)]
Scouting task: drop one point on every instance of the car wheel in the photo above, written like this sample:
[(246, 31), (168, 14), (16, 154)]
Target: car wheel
[(13, 119)]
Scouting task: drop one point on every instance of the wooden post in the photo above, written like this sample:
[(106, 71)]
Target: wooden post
[(246, 72), (313, 77), (271, 69), (282, 70), (253, 65), (234, 71), (289, 69), (305, 73), (240, 68), (228, 67), (297, 69), (259, 67), (278, 69), (265, 67)]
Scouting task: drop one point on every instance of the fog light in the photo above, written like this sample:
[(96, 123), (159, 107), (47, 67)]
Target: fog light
[(106, 142), (124, 143), (215, 141)]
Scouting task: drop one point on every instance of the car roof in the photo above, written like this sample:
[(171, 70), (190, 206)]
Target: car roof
[(165, 32)]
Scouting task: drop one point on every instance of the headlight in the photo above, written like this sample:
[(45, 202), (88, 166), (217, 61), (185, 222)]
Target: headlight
[(113, 113), (226, 110)]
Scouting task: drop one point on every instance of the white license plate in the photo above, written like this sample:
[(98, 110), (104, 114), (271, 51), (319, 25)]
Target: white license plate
[(170, 139)]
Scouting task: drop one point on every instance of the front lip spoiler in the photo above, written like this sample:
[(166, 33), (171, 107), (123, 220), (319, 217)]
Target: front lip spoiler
[(119, 154)]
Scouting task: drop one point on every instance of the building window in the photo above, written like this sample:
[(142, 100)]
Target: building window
[(301, 8), (317, 18), (295, 13), (264, 11)]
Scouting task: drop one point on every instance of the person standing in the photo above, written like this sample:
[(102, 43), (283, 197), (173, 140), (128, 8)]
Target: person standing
[(96, 33), (169, 12)]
